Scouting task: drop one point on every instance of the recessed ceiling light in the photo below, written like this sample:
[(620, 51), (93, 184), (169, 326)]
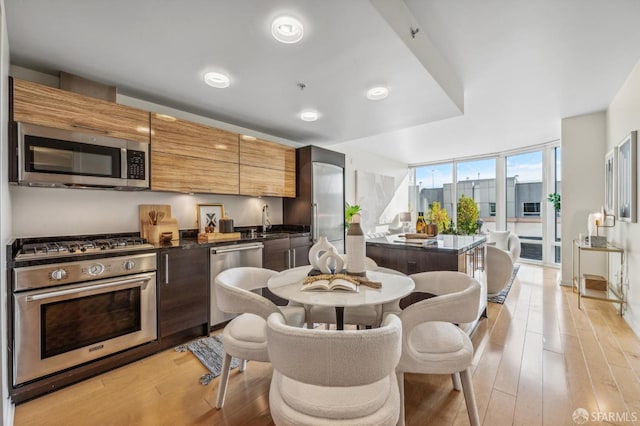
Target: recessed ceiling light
[(309, 115), (248, 138), (377, 93), (286, 29), (217, 80)]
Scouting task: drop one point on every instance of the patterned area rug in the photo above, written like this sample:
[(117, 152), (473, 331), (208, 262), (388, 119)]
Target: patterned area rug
[(209, 351), (499, 298)]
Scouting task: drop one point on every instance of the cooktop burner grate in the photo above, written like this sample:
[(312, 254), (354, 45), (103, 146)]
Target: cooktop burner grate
[(77, 247)]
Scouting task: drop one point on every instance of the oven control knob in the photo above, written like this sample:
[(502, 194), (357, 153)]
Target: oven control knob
[(129, 265), (58, 274), (96, 269)]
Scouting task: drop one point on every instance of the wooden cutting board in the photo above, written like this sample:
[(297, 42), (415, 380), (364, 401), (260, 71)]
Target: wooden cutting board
[(218, 236), (417, 236)]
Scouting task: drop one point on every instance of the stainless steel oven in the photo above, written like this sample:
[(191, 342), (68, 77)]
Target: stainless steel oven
[(71, 312)]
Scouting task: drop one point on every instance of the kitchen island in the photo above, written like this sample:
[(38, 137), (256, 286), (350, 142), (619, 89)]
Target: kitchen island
[(448, 253), (463, 253)]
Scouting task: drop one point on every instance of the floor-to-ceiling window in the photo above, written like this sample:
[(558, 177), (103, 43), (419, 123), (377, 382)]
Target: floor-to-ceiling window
[(524, 195), (557, 223), (434, 183), (477, 179), (518, 201)]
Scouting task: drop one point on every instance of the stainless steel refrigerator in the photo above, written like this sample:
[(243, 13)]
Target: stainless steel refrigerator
[(319, 201)]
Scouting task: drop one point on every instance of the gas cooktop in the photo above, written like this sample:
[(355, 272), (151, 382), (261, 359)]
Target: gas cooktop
[(52, 249)]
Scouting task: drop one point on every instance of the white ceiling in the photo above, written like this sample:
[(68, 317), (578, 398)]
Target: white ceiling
[(523, 65)]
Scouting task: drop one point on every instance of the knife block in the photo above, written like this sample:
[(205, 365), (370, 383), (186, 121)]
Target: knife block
[(152, 232)]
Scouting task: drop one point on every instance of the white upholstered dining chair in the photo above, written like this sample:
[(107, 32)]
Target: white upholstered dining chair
[(498, 269), (245, 336), (432, 343), (323, 377)]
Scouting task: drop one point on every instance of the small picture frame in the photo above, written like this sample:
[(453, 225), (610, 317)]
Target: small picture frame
[(610, 179), (627, 176), (208, 217)]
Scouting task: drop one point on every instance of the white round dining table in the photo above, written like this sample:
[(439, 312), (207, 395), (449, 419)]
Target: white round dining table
[(288, 285)]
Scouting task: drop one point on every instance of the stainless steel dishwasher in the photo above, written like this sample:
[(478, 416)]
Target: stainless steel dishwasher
[(226, 257)]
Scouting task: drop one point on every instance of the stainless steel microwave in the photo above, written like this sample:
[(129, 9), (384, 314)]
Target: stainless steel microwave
[(63, 158)]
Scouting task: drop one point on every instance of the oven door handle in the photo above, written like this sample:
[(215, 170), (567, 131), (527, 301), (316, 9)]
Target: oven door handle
[(53, 294)]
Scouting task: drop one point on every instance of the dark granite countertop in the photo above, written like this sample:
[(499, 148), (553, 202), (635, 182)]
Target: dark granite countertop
[(457, 244), (189, 240)]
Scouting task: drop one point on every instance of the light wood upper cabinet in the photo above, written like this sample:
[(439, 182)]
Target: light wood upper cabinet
[(47, 106), (269, 155), (188, 174), (267, 168), (181, 137), (191, 157), (259, 181)]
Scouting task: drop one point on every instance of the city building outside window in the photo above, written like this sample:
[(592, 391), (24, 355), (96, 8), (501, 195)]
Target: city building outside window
[(531, 209), (522, 207)]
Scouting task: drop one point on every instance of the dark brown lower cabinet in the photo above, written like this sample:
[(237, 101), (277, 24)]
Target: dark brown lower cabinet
[(281, 254), (410, 261), (285, 253), (300, 251), (183, 291)]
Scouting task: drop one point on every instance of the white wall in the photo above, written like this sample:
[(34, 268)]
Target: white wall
[(583, 152), (41, 212), (355, 159), (623, 116), (6, 408)]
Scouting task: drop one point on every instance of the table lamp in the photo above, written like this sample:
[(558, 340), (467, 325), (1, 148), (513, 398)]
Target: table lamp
[(601, 220), (405, 218)]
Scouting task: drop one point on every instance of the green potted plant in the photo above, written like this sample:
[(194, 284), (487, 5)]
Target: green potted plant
[(554, 198), (349, 211), (438, 216), (467, 215)]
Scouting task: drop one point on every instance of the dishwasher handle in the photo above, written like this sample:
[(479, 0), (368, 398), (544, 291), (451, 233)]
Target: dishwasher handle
[(237, 248)]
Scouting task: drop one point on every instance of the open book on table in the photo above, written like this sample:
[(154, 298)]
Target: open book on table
[(326, 282)]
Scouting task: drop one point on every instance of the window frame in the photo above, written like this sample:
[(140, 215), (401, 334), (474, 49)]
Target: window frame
[(550, 179)]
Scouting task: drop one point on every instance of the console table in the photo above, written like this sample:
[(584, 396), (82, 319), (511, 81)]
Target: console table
[(613, 291)]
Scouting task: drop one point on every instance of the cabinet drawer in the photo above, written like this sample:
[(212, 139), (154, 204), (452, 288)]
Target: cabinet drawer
[(300, 241), (51, 107), (279, 244)]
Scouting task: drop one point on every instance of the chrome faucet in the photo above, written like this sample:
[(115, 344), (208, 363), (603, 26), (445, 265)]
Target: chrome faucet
[(266, 222)]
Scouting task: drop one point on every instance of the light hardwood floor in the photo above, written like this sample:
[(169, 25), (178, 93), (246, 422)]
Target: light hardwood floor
[(538, 358)]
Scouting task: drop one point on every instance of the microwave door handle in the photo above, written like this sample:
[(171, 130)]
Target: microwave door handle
[(53, 294), (20, 153), (123, 164)]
